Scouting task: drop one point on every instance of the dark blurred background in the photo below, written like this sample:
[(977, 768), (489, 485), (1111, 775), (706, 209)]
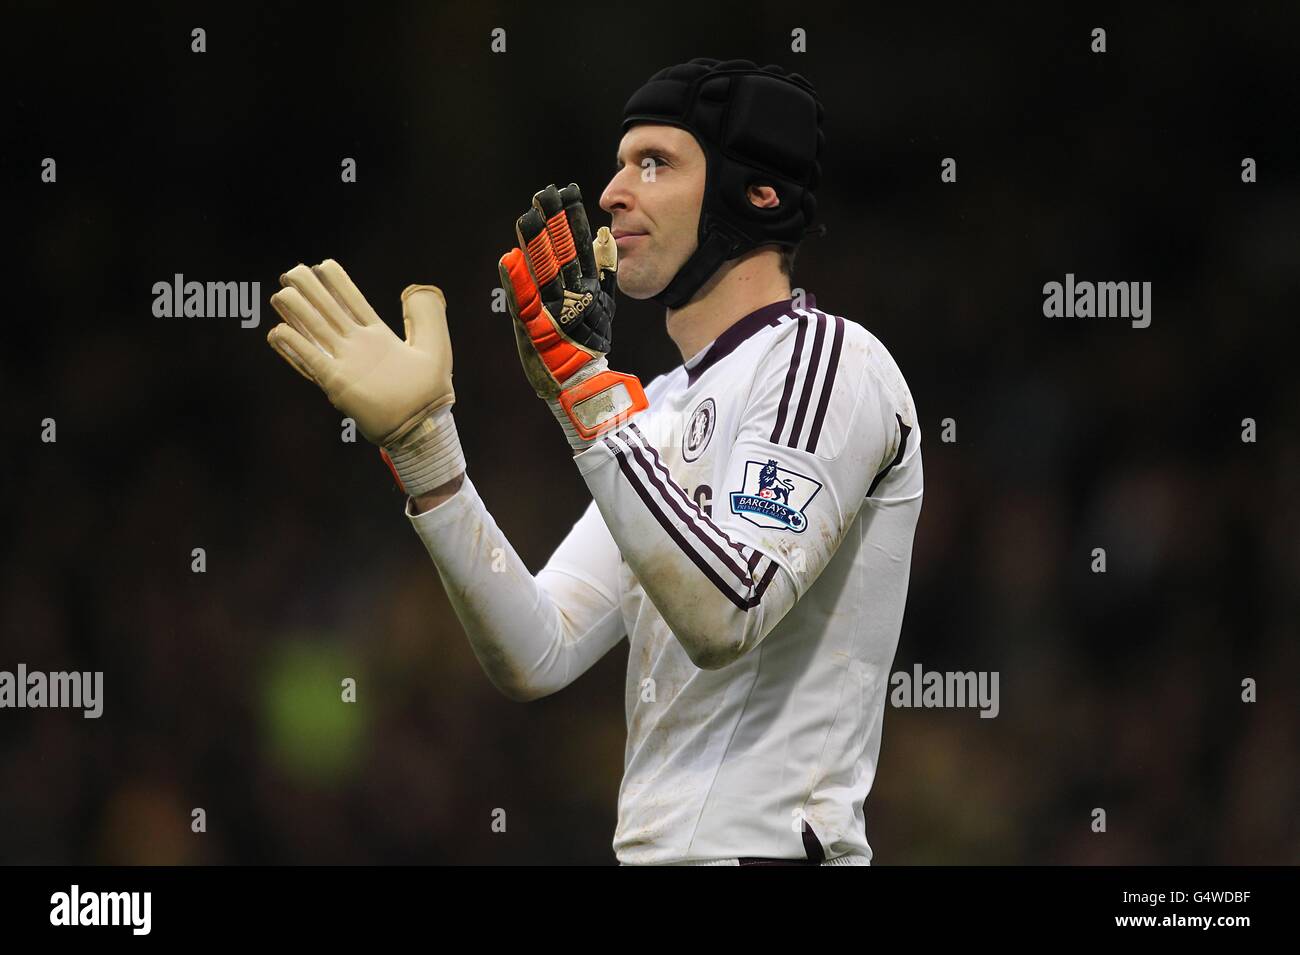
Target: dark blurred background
[(1120, 690)]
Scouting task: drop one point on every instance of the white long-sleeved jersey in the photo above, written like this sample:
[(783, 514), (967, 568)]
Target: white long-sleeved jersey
[(751, 533)]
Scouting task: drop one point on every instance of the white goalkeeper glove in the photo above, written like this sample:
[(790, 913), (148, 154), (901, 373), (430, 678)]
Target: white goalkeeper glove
[(398, 392)]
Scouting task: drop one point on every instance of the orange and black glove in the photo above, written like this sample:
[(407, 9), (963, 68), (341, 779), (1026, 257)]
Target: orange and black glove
[(560, 287)]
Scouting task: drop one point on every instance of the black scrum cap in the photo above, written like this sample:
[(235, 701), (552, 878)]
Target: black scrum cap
[(757, 126)]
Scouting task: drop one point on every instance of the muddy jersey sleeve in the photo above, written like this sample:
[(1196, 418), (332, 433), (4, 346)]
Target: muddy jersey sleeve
[(533, 634), (819, 428)]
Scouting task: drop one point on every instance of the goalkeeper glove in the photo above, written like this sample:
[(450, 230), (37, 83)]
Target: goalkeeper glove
[(560, 286), (398, 392)]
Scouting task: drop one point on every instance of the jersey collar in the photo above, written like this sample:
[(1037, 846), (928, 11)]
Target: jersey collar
[(740, 330)]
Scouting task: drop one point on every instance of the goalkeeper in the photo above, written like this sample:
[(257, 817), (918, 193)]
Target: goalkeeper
[(752, 510)]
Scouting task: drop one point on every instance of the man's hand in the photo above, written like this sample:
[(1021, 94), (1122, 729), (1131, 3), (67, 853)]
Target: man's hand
[(560, 289), (399, 392)]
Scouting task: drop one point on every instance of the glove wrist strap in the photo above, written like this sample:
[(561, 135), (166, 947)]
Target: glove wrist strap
[(427, 456), (595, 401)]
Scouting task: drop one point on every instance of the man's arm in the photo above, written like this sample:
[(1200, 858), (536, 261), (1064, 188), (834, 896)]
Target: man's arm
[(819, 415), (427, 502), (532, 635)]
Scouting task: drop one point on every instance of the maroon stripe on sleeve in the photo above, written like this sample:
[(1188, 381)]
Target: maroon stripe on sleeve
[(809, 377), (756, 556), (700, 516), (667, 524), (655, 496), (653, 501), (789, 379), (746, 581), (727, 559), (831, 367), (904, 431)]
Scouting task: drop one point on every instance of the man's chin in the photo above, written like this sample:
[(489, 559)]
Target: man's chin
[(635, 287)]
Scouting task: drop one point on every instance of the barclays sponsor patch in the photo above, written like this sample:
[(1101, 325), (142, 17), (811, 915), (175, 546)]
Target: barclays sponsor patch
[(773, 496)]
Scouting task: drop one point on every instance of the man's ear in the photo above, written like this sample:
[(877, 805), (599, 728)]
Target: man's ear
[(764, 197)]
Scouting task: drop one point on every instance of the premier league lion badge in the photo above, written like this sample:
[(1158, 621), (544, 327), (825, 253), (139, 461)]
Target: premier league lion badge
[(773, 496)]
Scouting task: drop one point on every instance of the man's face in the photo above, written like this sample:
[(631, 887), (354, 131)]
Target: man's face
[(655, 206)]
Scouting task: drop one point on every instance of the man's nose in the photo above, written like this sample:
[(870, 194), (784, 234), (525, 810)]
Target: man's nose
[(616, 194)]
